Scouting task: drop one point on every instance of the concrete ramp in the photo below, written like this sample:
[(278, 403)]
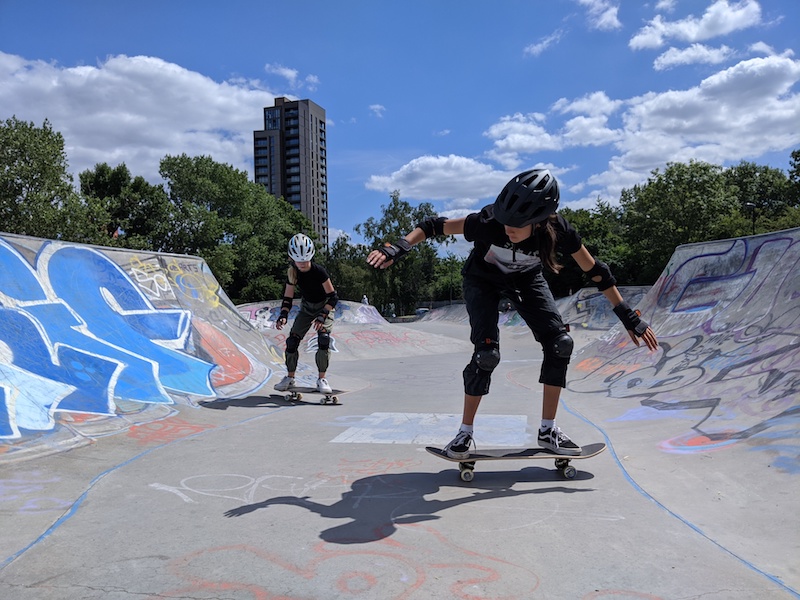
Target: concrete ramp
[(94, 340), (708, 427), (589, 309), (360, 333), (728, 372)]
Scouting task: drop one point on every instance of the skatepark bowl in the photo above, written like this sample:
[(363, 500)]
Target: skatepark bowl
[(145, 454)]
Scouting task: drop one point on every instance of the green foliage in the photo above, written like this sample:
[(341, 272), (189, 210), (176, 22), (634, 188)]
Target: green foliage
[(241, 231), (684, 204), (349, 271), (36, 193), (405, 283), (139, 215)]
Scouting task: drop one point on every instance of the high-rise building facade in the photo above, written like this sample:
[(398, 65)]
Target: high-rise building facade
[(290, 156)]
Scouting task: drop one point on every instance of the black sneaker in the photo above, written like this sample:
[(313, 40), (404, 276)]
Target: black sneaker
[(555, 440), (459, 447)]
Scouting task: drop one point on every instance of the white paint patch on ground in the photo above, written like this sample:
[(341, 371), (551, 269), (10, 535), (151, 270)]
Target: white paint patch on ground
[(436, 429)]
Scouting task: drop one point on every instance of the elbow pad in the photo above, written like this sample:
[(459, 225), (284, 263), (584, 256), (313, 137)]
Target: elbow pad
[(606, 278), (333, 299), (432, 226)]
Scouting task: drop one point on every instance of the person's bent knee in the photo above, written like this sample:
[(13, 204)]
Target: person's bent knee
[(487, 355), (323, 340), (292, 344)]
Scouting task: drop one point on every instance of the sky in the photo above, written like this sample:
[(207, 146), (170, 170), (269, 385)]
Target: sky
[(443, 100)]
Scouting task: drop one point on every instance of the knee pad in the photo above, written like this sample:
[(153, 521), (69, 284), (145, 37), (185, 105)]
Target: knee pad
[(557, 353), (487, 356), (292, 344), (561, 346), (323, 340), (476, 380)]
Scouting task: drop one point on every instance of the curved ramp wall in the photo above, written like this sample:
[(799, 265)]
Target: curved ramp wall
[(93, 340), (727, 314)]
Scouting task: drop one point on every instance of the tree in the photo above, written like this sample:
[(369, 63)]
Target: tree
[(347, 266), (139, 213), (762, 194), (232, 223), (36, 191), (447, 282), (402, 284), (794, 179), (684, 204)]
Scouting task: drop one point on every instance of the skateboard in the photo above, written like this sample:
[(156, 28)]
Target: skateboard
[(466, 466), (296, 395)]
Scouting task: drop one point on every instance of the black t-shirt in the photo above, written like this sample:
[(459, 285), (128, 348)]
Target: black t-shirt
[(310, 283), (495, 256)]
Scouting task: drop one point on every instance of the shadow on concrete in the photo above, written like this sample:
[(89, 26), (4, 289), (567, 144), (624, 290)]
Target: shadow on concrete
[(376, 504)]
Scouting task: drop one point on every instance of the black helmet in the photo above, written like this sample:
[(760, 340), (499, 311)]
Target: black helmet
[(530, 197)]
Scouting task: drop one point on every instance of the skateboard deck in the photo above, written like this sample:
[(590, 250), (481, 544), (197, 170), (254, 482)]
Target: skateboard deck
[(466, 466), (296, 395)]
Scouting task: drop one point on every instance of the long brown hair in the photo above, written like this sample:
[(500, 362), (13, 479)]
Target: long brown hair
[(547, 245), (291, 274)]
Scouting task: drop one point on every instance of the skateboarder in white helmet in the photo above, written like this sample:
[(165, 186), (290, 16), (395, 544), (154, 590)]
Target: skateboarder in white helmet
[(318, 301), (514, 240)]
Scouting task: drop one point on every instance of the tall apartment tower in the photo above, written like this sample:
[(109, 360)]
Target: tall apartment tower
[(291, 158)]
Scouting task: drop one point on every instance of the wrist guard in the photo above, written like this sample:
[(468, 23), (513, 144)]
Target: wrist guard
[(322, 316), (630, 319), (397, 250), (286, 304), (432, 226)]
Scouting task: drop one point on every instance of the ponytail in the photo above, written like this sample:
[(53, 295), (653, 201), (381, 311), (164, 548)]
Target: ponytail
[(547, 245)]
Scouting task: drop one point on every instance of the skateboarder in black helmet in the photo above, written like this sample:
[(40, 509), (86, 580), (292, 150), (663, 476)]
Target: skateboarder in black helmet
[(514, 239), (319, 300)]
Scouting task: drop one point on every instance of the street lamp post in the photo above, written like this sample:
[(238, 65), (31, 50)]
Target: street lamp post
[(752, 208)]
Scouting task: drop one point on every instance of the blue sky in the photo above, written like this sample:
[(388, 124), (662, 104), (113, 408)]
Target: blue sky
[(443, 100)]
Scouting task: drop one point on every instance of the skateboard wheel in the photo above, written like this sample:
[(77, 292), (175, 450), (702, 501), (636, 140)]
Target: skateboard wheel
[(569, 472), (467, 474), (561, 463), (323, 400), (335, 400)]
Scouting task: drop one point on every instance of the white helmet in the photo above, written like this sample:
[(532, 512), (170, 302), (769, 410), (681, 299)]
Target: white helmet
[(301, 248)]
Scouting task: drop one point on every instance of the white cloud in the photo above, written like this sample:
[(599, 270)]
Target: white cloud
[(292, 77), (135, 110), (602, 14), (696, 53), (442, 178), (764, 48), (594, 104), (720, 18), (542, 45), (377, 110), (519, 134)]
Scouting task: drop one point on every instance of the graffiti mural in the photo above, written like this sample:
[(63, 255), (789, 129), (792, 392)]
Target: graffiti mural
[(588, 308), (728, 318), (96, 331)]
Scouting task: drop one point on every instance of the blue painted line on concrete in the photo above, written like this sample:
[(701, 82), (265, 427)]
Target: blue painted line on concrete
[(76, 505), (689, 524)]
